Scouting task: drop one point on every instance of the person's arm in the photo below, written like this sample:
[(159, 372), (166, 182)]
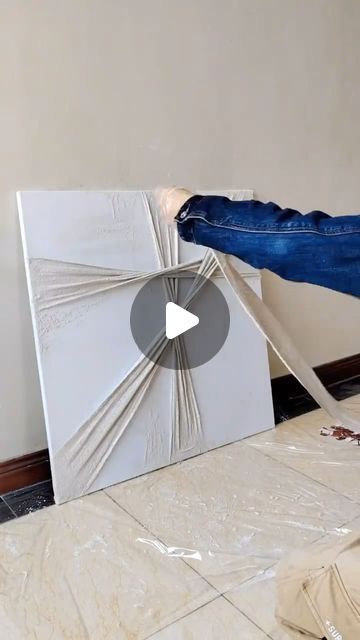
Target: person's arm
[(314, 248)]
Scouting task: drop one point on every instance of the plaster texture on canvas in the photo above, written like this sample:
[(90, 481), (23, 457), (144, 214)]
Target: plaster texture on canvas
[(74, 285)]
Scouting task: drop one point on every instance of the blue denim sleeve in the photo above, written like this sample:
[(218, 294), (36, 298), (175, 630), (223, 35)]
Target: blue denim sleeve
[(314, 248)]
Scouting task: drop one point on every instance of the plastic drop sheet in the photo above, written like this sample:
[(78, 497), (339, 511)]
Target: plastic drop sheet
[(186, 550)]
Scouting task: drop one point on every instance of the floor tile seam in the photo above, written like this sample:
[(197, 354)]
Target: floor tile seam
[(156, 537), (186, 615), (302, 473), (9, 507), (246, 616)]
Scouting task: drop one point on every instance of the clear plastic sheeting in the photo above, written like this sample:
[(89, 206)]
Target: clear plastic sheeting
[(239, 509), (186, 550), (299, 443)]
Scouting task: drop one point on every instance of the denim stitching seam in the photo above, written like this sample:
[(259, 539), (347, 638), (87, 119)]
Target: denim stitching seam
[(262, 229)]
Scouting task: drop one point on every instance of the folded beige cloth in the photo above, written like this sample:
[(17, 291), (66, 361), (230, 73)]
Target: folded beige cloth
[(318, 591)]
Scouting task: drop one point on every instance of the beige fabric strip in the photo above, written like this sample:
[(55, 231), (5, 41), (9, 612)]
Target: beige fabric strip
[(281, 342), (57, 282)]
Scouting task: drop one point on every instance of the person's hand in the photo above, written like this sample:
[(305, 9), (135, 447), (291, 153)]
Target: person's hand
[(171, 200)]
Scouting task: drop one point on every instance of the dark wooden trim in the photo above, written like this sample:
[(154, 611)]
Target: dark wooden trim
[(339, 370), (24, 471), (329, 373), (340, 377)]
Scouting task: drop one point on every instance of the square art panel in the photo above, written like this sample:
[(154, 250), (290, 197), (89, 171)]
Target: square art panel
[(111, 412)]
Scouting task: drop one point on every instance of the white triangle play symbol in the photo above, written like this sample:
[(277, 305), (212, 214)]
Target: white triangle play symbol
[(178, 320)]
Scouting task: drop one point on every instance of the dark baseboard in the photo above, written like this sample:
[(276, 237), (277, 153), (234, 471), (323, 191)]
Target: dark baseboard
[(341, 378), (24, 471), (289, 396)]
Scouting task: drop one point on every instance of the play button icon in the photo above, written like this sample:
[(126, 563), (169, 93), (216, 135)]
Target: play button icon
[(178, 320), (166, 306)]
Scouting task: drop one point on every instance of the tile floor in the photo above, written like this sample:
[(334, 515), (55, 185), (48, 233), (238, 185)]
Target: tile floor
[(23, 501), (186, 551)]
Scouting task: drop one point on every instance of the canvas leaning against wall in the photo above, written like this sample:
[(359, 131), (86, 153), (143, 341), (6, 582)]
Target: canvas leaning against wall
[(112, 414)]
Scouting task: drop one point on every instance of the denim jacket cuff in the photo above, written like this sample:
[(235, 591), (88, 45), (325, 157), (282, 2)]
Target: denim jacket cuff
[(184, 221)]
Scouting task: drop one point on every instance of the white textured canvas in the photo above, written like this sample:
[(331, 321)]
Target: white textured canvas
[(85, 346)]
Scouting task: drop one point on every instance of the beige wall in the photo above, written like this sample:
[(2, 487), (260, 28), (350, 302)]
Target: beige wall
[(206, 93)]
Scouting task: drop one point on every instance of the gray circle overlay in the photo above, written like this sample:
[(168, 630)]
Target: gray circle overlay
[(202, 342)]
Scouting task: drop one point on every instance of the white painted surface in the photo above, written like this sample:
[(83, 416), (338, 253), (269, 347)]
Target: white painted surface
[(85, 348), (112, 95)]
